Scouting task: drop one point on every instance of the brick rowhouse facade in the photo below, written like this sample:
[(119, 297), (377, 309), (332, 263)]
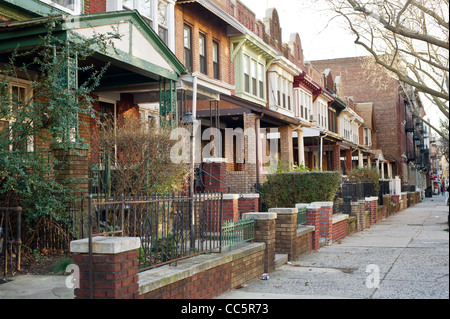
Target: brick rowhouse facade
[(389, 109)]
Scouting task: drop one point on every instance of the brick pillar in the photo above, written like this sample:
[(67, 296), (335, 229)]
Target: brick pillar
[(313, 219), (115, 267), (337, 157), (348, 160), (286, 231), (216, 168), (248, 203), (265, 224), (73, 165), (396, 200), (372, 207), (230, 207), (326, 220), (286, 145)]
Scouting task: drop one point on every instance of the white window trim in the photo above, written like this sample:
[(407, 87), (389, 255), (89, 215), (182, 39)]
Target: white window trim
[(306, 98), (28, 95), (77, 4)]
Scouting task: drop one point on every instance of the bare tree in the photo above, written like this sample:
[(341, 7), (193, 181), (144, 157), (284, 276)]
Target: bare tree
[(409, 39)]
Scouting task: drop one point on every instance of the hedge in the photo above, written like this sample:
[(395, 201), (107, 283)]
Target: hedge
[(288, 189)]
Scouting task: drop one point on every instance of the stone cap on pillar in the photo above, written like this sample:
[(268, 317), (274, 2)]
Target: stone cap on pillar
[(105, 245), (259, 216), (283, 210), (214, 160), (323, 204), (372, 198)]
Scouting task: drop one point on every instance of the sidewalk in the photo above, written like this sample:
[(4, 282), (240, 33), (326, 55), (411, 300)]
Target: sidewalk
[(410, 249)]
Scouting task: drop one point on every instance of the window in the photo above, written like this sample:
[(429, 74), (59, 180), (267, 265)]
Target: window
[(202, 52), (254, 77), (162, 21), (261, 75), (18, 92), (305, 104), (246, 74), (70, 6), (332, 123), (367, 137), (145, 8), (188, 47), (254, 80), (216, 69)]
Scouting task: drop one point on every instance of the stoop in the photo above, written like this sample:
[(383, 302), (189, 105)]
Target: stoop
[(280, 260)]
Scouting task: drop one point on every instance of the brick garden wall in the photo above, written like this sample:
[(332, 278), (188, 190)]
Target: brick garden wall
[(207, 276)]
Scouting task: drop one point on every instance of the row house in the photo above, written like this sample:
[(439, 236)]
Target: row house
[(385, 105), (143, 71)]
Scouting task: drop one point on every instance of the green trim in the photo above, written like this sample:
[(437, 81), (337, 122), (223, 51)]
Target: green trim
[(30, 31), (11, 12), (111, 18), (35, 7)]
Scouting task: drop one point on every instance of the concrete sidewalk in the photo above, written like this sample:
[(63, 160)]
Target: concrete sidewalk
[(410, 249), (408, 253)]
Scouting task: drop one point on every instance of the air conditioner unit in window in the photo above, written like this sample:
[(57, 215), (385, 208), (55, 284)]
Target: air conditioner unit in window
[(311, 118)]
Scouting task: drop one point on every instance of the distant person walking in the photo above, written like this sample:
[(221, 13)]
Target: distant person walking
[(443, 190)]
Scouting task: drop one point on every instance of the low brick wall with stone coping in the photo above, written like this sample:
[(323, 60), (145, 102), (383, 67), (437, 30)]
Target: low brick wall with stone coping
[(204, 276)]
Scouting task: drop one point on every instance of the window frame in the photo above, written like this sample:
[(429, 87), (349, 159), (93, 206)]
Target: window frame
[(27, 86), (77, 4), (202, 54), (187, 50), (216, 59)]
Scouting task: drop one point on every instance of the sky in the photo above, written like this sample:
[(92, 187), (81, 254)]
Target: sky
[(322, 36)]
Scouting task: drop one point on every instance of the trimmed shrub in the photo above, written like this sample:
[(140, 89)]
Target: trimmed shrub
[(288, 189)]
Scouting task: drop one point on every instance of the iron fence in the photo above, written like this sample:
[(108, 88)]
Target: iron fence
[(171, 226), (10, 236), (301, 216), (239, 231)]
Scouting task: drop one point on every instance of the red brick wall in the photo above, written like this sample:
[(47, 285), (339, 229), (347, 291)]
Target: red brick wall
[(201, 20), (248, 205), (212, 282), (204, 285), (340, 230), (94, 6), (114, 276), (387, 102)]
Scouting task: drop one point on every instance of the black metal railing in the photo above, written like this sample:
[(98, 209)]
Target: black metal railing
[(10, 237), (171, 227)]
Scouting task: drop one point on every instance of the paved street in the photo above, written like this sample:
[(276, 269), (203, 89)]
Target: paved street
[(410, 249)]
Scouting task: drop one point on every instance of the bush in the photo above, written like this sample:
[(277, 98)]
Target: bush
[(366, 174), (288, 189)]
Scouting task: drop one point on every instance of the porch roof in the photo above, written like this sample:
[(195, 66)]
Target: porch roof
[(241, 106), (138, 51)]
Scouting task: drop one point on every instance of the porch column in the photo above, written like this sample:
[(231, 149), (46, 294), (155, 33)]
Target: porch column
[(348, 160), (286, 145), (360, 159), (251, 126), (389, 167), (337, 157), (301, 147)]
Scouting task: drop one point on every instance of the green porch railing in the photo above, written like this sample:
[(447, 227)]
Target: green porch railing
[(239, 231), (301, 216)]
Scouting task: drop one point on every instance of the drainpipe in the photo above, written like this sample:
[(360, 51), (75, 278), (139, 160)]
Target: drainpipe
[(194, 117), (257, 135), (321, 153)]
